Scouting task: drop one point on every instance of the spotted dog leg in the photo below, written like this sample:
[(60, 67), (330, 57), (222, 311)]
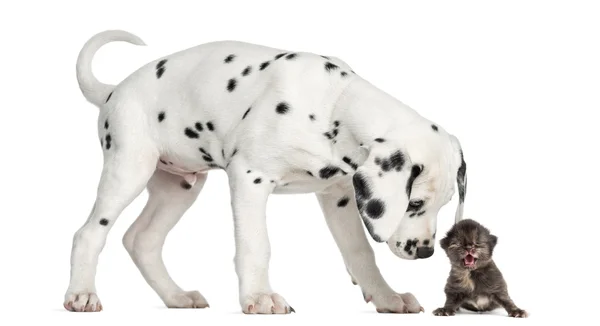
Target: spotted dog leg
[(339, 208), (126, 172), (249, 193), (169, 197)]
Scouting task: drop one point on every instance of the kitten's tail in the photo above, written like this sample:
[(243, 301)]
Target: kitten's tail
[(95, 91)]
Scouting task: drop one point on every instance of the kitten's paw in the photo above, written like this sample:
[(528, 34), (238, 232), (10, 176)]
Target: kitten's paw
[(518, 313), (444, 312)]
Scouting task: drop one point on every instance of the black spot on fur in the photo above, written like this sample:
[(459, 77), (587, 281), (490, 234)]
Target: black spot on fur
[(336, 123), (409, 245), (426, 242), (343, 74), (223, 153), (398, 243), (234, 152), (108, 98), (460, 179), (312, 117), (210, 126), (198, 126), (335, 132), (161, 116), (348, 161), (207, 158), (214, 166), (160, 72), (282, 108), (379, 140), (264, 65), (229, 58), (375, 208), (161, 63), (330, 66), (414, 173), (325, 57), (328, 135), (246, 113), (397, 160), (231, 84), (328, 171), (248, 171), (163, 162), (310, 173), (106, 124), (434, 127), (104, 222), (191, 133), (291, 56), (108, 140), (343, 201), (257, 180), (421, 213), (247, 71), (361, 187), (185, 185), (280, 55)]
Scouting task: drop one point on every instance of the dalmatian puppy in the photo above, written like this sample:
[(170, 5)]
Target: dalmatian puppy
[(277, 122)]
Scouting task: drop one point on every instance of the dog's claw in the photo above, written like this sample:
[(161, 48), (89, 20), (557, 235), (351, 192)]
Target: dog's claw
[(292, 310)]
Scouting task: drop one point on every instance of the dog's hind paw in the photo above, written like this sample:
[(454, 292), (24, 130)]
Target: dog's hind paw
[(189, 299), (82, 302)]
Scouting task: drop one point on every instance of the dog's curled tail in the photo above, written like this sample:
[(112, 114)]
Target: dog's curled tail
[(93, 90)]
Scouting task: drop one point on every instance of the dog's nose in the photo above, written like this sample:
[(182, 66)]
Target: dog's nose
[(424, 252)]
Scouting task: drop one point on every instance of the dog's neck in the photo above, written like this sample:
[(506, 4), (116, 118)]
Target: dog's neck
[(369, 114)]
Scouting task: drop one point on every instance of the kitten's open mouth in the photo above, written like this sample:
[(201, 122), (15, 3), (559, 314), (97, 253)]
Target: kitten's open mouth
[(469, 260)]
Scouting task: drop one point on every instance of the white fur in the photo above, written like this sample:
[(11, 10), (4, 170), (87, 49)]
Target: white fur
[(303, 149)]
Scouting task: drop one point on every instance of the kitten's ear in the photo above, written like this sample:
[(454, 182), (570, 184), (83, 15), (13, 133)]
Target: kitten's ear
[(493, 241), (444, 243)]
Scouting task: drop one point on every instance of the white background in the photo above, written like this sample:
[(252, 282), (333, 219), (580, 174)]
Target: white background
[(517, 81)]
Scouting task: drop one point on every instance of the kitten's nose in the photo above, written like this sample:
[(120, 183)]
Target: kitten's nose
[(424, 252)]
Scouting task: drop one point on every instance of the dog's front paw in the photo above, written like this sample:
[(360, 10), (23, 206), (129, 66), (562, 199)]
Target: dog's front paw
[(518, 313), (266, 303), (82, 302), (399, 303), (444, 312), (189, 299)]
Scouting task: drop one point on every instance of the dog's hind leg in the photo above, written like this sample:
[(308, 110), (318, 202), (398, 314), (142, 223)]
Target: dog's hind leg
[(169, 197), (129, 162)]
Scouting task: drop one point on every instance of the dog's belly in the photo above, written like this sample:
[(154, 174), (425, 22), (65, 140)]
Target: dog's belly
[(304, 186)]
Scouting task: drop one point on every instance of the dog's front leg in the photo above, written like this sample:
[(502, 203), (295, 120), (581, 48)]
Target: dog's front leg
[(339, 208), (249, 193)]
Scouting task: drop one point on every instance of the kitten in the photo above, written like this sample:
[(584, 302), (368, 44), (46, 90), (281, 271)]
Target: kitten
[(475, 283)]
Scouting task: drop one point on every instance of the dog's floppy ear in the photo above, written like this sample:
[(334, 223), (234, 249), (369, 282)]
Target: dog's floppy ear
[(382, 188), (461, 180)]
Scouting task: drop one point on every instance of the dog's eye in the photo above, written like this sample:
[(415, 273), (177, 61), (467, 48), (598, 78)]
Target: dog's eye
[(416, 203)]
